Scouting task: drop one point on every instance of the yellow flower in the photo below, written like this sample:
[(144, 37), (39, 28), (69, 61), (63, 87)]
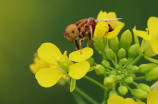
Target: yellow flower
[(102, 27), (151, 99), (152, 36), (38, 64), (62, 66)]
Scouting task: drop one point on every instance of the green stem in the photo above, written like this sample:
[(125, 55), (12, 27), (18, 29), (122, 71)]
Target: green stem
[(95, 82), (106, 96), (112, 68), (103, 55), (113, 62), (139, 78), (127, 85), (137, 59), (85, 96)]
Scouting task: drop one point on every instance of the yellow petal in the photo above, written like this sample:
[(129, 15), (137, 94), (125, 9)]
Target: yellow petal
[(153, 25), (78, 57), (117, 100), (101, 28), (142, 34), (111, 15), (48, 77), (79, 70), (47, 52), (114, 33), (154, 44), (140, 102), (130, 101), (153, 97), (102, 15)]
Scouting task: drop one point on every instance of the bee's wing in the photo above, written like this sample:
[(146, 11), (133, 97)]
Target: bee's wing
[(108, 19)]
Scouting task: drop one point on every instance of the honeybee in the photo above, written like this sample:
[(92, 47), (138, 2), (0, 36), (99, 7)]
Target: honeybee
[(82, 29)]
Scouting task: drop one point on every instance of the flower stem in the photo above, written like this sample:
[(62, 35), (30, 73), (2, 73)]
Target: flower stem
[(103, 55), (85, 95), (106, 96), (137, 59), (95, 82), (115, 56), (139, 78)]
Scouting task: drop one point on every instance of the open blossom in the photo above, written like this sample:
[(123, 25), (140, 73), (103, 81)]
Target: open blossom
[(151, 99), (61, 65), (152, 34), (102, 27)]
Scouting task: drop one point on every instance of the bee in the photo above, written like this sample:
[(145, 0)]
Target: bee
[(82, 29)]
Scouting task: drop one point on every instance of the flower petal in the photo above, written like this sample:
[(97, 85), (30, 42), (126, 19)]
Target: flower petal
[(153, 97), (101, 28), (153, 25), (48, 77), (47, 52), (111, 15), (142, 34), (78, 57), (154, 44), (130, 101), (102, 15), (114, 33), (78, 70), (117, 100)]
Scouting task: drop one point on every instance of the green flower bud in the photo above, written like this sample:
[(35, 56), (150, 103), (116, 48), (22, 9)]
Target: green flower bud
[(152, 74), (109, 54), (135, 69), (105, 41), (109, 82), (123, 90), (99, 69), (144, 87), (129, 80), (121, 53), (113, 43), (113, 93), (123, 61), (98, 43), (129, 67), (117, 67), (126, 40), (119, 77), (132, 75), (138, 93), (113, 77), (113, 72), (133, 50), (91, 61), (106, 64), (143, 68)]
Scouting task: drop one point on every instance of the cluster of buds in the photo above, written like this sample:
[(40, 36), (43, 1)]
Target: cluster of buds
[(118, 66)]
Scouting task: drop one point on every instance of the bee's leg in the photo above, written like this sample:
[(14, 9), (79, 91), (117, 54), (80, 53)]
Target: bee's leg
[(80, 44), (77, 45), (90, 37)]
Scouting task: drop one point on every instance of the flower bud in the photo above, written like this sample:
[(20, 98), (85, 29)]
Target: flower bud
[(109, 82), (123, 90), (117, 67), (91, 61), (126, 40), (144, 87), (123, 61), (99, 70), (135, 69), (143, 68), (105, 41), (138, 93), (152, 74), (133, 50), (98, 43), (129, 67), (109, 54), (113, 93), (106, 64), (119, 77), (113, 43), (113, 77), (121, 53), (132, 75), (129, 80)]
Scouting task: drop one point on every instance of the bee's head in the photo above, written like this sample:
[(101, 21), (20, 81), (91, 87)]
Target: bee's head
[(71, 32)]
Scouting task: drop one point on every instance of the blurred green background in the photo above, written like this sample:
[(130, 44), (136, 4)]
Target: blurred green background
[(26, 24)]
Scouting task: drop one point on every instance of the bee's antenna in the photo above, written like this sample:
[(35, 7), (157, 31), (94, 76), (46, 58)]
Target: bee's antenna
[(109, 19)]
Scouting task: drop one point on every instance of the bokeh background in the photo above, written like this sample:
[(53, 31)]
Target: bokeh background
[(26, 24)]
